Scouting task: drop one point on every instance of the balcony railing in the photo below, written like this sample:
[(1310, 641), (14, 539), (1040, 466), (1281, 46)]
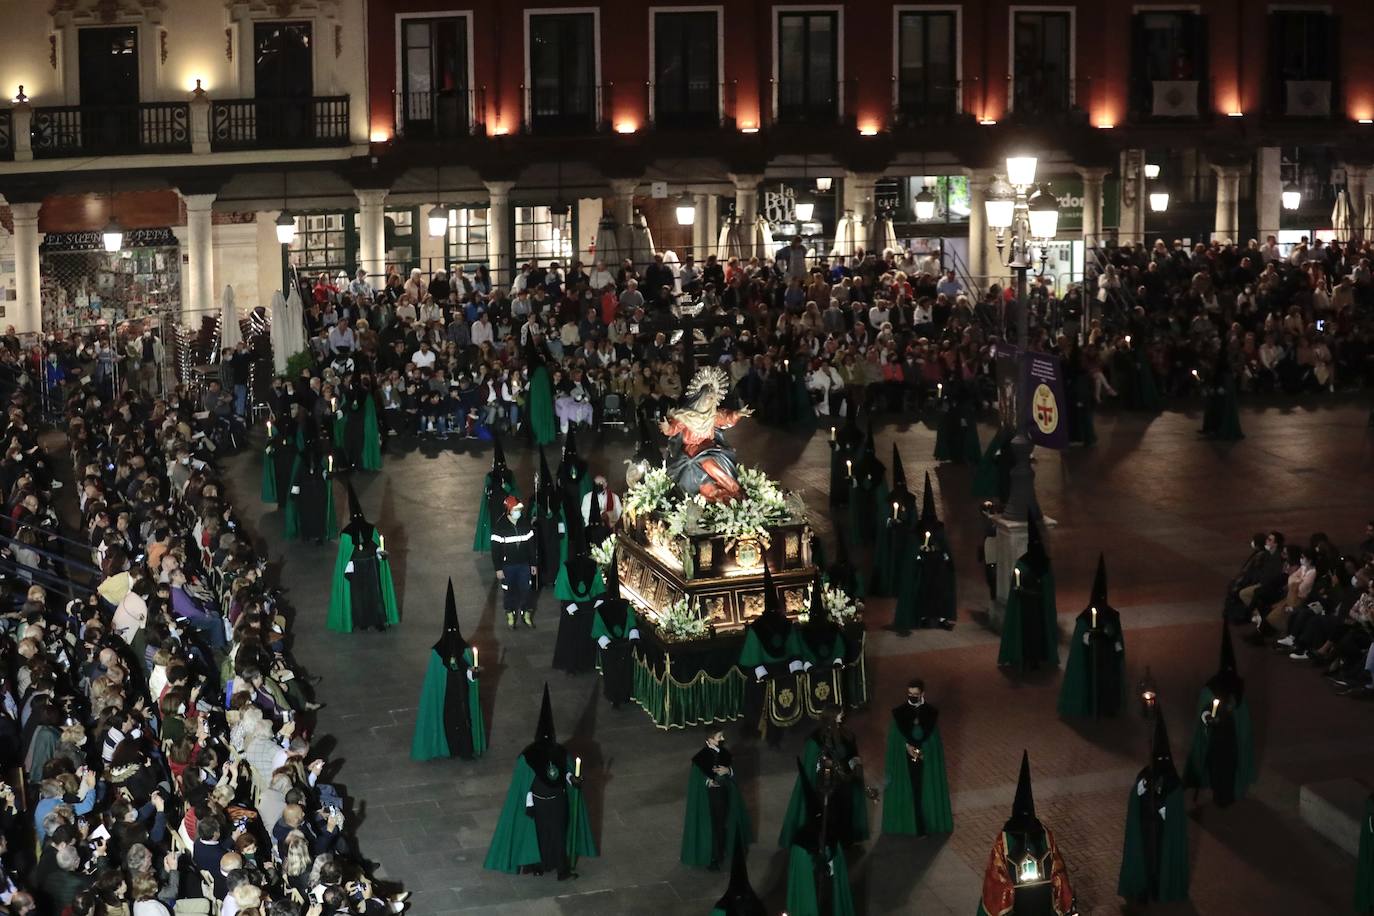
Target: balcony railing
[(566, 109), (805, 103), (698, 104), (1033, 98), (279, 123), (917, 103), (76, 130), (440, 115)]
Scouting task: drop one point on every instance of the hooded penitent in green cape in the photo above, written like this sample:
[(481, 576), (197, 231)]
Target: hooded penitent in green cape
[(1220, 417), (1082, 396), (956, 438), (278, 460), (916, 793), (848, 815), (816, 868), (362, 595), (716, 824), (309, 512), (355, 430), (867, 491), (992, 477), (1364, 864), (545, 522), (1030, 628), (449, 723), (543, 824), (1144, 394), (739, 899), (496, 486), (892, 533), (543, 424), (1095, 673), (578, 588), (771, 653), (846, 444), (574, 483), (1154, 858), (1222, 756), (802, 413), (927, 594), (615, 631)]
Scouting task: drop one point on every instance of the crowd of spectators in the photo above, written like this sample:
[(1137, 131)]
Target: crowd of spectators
[(157, 735), (451, 352)]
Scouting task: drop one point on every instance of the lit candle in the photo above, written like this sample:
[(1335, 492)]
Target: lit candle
[(269, 429), (577, 768), (1017, 574), (1094, 625), (1128, 340), (832, 434), (334, 404), (331, 464), (1196, 376), (474, 656), (896, 510), (939, 389), (927, 540), (381, 541), (1216, 704), (848, 468), (786, 365)]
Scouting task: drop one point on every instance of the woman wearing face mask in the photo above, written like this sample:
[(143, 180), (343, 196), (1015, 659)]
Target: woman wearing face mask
[(1302, 575)]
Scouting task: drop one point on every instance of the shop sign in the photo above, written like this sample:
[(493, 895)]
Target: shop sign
[(94, 241)]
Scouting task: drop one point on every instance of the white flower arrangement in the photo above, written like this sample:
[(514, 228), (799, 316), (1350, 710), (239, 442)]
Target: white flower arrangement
[(762, 504), (604, 553), (652, 493), (841, 607), (680, 621)]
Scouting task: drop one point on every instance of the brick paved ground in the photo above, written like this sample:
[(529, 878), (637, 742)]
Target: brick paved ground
[(1173, 514)]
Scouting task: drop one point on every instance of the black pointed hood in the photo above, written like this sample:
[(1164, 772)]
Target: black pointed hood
[(930, 519), (817, 613), (545, 486), (544, 732), (498, 455), (1098, 599), (740, 899), (612, 579), (355, 506), (1227, 682), (570, 444), (1023, 806), (849, 437), (1161, 757), (898, 472), (1036, 556), (772, 626), (451, 643)]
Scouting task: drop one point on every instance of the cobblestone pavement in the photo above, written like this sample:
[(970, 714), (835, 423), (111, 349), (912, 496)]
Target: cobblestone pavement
[(1173, 514)]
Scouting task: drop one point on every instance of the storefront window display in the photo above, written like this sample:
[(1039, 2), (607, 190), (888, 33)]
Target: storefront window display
[(467, 237), (82, 284)]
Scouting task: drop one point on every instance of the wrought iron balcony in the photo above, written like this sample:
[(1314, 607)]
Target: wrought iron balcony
[(279, 123), (78, 130)]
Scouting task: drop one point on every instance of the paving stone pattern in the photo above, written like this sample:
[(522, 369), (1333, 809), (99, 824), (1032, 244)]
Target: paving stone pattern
[(1173, 514)]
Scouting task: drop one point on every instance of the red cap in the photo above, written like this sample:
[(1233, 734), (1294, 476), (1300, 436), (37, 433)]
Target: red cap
[(512, 503)]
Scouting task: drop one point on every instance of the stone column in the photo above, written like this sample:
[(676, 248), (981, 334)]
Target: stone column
[(1133, 198), (978, 182), (623, 209), (1092, 205), (701, 228), (747, 209), (499, 231), (1228, 202), (372, 232), (27, 286), (1269, 193), (198, 292), (1357, 184), (859, 196)]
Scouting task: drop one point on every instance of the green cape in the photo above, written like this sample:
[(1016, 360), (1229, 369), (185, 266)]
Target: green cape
[(961, 446), (269, 477), (481, 539), (801, 885), (865, 504), (891, 548), (514, 844), (542, 422), (696, 824), (292, 516), (1364, 875), (899, 806), (914, 593), (1077, 693), (796, 808), (563, 590), (340, 618), (1011, 651), (600, 629), (987, 475), (372, 437), (430, 739), (754, 653), (1134, 881), (1195, 775)]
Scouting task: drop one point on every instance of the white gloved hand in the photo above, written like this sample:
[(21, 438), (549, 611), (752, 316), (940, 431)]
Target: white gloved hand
[(1140, 787), (761, 672), (603, 642)]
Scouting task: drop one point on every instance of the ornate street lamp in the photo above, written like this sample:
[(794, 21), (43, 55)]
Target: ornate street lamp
[(925, 204)]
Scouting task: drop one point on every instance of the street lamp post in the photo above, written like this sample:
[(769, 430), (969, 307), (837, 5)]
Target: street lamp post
[(1022, 214)]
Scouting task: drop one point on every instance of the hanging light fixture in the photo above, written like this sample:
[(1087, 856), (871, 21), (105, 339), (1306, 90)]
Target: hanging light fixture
[(925, 204), (1021, 170), (1151, 170), (558, 213), (1159, 200), (823, 184), (286, 223), (1000, 205), (112, 236), (805, 205), (437, 218), (1291, 197), (685, 210), (1043, 211)]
